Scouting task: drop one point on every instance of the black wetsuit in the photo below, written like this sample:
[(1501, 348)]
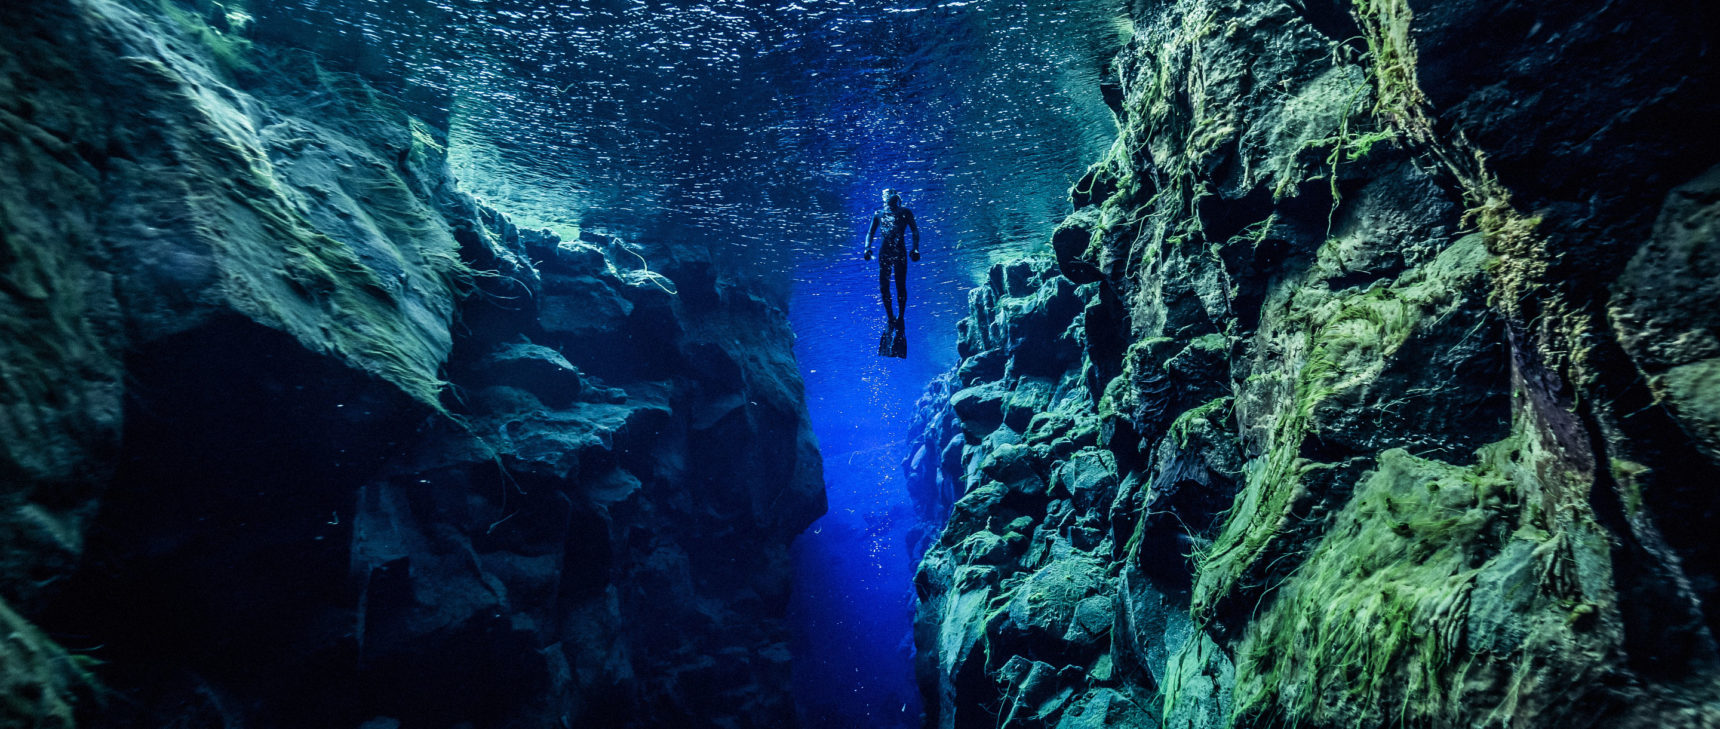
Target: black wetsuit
[(896, 222)]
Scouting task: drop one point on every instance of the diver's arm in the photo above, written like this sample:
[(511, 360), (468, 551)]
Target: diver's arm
[(869, 234), (913, 226)]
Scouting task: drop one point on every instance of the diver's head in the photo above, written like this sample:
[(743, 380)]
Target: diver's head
[(891, 198)]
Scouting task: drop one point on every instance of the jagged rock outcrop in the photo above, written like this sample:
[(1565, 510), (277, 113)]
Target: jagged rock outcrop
[(1361, 387), (293, 433)]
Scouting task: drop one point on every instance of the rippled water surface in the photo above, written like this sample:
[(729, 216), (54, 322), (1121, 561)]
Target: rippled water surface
[(764, 131), (759, 128)]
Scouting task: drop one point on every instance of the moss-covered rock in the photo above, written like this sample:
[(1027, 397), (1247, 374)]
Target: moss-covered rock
[(1664, 309), (40, 682), (1394, 407)]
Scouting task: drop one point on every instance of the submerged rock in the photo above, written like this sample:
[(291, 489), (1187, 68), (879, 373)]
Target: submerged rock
[(293, 433), (1310, 418)]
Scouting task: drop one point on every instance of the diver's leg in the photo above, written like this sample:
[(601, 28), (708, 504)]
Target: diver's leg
[(902, 288), (884, 287)]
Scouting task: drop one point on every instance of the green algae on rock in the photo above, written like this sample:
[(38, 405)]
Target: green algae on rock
[(1356, 384)]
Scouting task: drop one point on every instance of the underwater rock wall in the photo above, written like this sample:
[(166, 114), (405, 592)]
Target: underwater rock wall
[(293, 433), (1369, 383)]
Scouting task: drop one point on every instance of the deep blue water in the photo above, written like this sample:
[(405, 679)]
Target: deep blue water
[(854, 568), (763, 132), (953, 109)]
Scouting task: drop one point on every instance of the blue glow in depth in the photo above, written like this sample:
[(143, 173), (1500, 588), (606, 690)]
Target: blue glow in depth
[(853, 603)]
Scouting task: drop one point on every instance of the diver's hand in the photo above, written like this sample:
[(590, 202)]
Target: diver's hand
[(914, 254), (868, 253)]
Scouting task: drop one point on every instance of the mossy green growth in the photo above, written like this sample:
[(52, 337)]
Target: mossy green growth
[(1521, 269), (1392, 59), (1352, 337), (1629, 475), (1357, 148), (40, 682), (1174, 123), (1120, 398), (1346, 351), (1198, 675), (1213, 412), (1210, 342), (355, 262), (227, 47), (1254, 233), (1320, 117), (1366, 631)]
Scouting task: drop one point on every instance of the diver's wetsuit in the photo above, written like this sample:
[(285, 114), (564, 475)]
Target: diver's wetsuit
[(896, 221)]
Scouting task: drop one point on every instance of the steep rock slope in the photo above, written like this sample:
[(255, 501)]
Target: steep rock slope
[(1362, 387), (292, 433)]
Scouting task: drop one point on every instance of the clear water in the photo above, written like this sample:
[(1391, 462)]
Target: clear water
[(764, 132)]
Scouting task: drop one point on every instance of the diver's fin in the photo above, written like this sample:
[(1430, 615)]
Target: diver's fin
[(885, 341), (899, 344)]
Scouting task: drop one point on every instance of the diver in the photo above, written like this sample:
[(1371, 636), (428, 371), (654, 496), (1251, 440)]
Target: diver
[(893, 254)]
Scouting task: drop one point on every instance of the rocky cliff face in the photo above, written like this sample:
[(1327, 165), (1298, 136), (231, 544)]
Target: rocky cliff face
[(292, 433), (1369, 384)]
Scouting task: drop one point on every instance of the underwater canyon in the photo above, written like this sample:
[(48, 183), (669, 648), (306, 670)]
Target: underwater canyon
[(494, 363)]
